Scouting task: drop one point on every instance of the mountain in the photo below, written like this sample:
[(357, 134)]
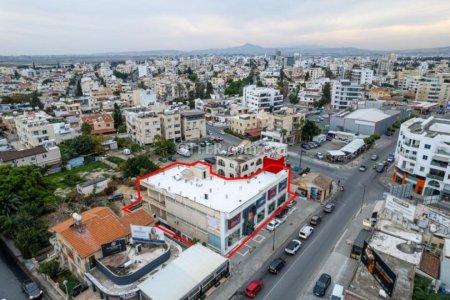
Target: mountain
[(246, 49)]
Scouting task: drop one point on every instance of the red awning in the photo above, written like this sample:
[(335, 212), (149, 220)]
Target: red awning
[(253, 132)]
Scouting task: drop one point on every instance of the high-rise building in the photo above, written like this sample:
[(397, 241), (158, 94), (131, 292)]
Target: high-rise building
[(262, 99), (344, 93)]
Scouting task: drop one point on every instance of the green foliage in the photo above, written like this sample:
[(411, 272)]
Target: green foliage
[(122, 128), (86, 128), (370, 140), (237, 87), (114, 159), (209, 90), (50, 268), (423, 290), (307, 76), (72, 281), (16, 98), (164, 147), (326, 95), (78, 146), (126, 143), (293, 98), (138, 165), (30, 239), (193, 77), (200, 90), (309, 130), (78, 90), (229, 131), (48, 80), (121, 75), (117, 115), (72, 180)]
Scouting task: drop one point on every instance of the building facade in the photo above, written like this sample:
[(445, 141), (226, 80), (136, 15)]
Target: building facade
[(101, 123), (362, 76), (262, 99), (142, 127), (423, 155), (193, 125), (344, 93)]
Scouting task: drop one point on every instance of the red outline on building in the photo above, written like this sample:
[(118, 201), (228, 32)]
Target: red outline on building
[(269, 165)]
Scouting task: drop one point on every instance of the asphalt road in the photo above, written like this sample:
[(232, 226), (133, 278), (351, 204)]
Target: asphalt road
[(304, 267), (230, 139)]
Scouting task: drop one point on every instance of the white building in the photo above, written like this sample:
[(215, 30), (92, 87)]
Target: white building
[(243, 165), (143, 126), (45, 155), (142, 71), (362, 76), (144, 97), (215, 210), (93, 186), (422, 156), (315, 73), (344, 93), (262, 99)]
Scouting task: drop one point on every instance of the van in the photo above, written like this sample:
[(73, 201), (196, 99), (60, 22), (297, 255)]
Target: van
[(184, 152), (305, 232), (338, 292)]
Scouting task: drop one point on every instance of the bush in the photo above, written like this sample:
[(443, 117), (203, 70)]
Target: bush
[(50, 268), (114, 159), (71, 179)]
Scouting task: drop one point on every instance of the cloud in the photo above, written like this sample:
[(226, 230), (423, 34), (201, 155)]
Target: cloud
[(68, 27)]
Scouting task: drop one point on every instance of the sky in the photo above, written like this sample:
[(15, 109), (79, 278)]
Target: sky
[(96, 26)]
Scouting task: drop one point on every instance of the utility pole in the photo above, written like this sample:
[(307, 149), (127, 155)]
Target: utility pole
[(273, 240), (301, 152), (363, 195)]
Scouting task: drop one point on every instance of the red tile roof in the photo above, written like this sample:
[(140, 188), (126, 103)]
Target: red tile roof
[(430, 264), (92, 118), (98, 226)]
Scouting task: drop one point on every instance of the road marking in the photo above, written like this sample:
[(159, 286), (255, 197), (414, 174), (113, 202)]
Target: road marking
[(259, 238)]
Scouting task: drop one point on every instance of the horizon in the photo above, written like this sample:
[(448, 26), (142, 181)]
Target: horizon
[(52, 27)]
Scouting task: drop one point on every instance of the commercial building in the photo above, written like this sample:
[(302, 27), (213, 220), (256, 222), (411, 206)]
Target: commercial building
[(262, 99), (362, 76), (101, 123), (193, 125), (36, 130), (422, 156), (44, 155), (313, 186), (197, 203), (344, 93), (191, 282)]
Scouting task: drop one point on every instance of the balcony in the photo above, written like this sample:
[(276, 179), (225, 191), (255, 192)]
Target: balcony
[(439, 164), (435, 174)]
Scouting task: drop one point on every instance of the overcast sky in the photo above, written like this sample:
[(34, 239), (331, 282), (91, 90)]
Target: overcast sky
[(79, 27)]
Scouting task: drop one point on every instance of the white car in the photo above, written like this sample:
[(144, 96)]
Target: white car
[(293, 247), (305, 232), (273, 224), (222, 132)]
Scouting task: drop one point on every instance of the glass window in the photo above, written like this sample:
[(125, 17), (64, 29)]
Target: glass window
[(214, 240), (425, 157), (427, 146), (271, 207)]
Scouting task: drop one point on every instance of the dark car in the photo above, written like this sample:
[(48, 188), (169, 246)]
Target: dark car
[(391, 158), (306, 146), (282, 215), (163, 159), (32, 290), (380, 167), (115, 196), (329, 207), (211, 160), (315, 220), (202, 144), (322, 285), (277, 265), (172, 158)]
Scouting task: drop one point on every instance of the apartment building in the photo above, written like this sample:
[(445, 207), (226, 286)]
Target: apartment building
[(262, 99), (423, 155), (362, 76), (219, 212), (344, 93), (144, 97), (242, 165), (315, 73), (427, 89), (35, 130), (309, 96), (142, 127), (283, 126), (244, 124), (193, 125), (41, 156), (101, 123), (171, 126)]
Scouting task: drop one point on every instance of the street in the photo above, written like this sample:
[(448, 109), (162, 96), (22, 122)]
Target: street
[(11, 276), (303, 268)]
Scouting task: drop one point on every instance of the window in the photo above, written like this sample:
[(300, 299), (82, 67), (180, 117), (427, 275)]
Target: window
[(427, 146), (425, 157), (422, 169)]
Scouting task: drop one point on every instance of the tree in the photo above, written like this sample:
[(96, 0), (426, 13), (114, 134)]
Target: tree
[(209, 90), (326, 95), (298, 129), (163, 147), (49, 268), (35, 101), (117, 115), (86, 128), (309, 130), (293, 98), (193, 77), (200, 90), (79, 90), (9, 204), (138, 165), (78, 146), (307, 76), (283, 133)]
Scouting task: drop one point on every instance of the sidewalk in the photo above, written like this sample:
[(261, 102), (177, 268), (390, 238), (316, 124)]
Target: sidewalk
[(257, 251), (28, 267), (339, 264)]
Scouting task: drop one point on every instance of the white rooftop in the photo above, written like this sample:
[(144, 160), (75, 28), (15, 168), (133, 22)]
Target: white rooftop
[(386, 243), (223, 195), (183, 274), (353, 146), (367, 114)]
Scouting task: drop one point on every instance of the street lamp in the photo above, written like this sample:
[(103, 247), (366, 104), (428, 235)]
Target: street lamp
[(301, 152), (273, 240), (65, 284), (363, 196)]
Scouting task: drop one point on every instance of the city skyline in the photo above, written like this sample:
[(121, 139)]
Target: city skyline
[(53, 27)]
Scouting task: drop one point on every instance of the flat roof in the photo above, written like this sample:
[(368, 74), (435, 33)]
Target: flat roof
[(183, 274), (368, 114), (353, 146), (385, 243), (224, 195)]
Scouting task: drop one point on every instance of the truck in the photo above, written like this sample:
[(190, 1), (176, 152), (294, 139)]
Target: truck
[(319, 138)]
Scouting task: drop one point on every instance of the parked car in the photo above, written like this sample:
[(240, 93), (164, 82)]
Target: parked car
[(272, 225), (315, 220), (282, 215), (380, 167), (306, 146), (222, 132), (211, 160), (116, 196), (32, 289), (362, 168), (126, 151), (209, 132), (391, 158), (305, 232), (338, 292), (202, 144), (320, 155), (253, 288), (329, 207), (292, 204), (374, 157), (276, 265), (322, 285), (313, 144), (184, 152), (293, 247), (172, 158), (163, 159)]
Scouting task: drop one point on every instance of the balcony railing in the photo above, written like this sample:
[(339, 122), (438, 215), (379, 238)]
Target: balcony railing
[(439, 164), (434, 176)]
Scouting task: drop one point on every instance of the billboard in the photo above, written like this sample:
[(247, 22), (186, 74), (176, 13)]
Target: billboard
[(400, 207), (271, 193), (147, 234), (234, 221), (113, 247), (378, 268)]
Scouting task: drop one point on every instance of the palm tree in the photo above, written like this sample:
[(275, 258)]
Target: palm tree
[(283, 133), (9, 204), (298, 129)]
